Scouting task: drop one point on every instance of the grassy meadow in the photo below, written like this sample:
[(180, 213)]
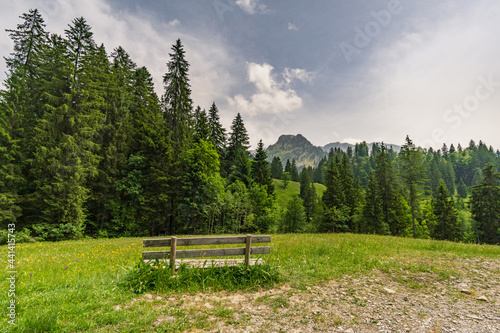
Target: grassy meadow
[(73, 286)]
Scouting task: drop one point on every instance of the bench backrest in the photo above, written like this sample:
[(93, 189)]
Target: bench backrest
[(173, 242)]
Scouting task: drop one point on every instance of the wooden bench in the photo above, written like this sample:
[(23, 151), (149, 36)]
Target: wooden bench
[(174, 254)]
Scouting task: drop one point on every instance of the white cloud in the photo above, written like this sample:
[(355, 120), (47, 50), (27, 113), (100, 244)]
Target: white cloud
[(291, 74), (409, 83), (272, 97), (253, 7), (292, 26), (147, 41), (174, 23)]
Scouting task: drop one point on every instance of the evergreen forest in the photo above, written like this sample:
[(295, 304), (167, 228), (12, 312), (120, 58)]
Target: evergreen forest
[(88, 149)]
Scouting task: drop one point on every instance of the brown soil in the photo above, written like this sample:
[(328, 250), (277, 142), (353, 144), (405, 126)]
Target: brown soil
[(379, 302)]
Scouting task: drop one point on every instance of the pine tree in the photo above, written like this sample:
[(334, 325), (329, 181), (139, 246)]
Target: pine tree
[(462, 190), (217, 132), (11, 178), (308, 194), (444, 211), (335, 213), (372, 213), (29, 39), (288, 167), (149, 138), (115, 80), (238, 140), (80, 41), (334, 195), (319, 172), (276, 168), (23, 83), (485, 206), (241, 168), (393, 204), (177, 101), (413, 170), (261, 173), (201, 125), (294, 172)]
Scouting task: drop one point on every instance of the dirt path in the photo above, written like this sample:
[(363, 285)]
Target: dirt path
[(380, 302)]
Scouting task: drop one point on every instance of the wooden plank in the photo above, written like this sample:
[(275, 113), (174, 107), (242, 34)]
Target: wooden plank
[(203, 253), (209, 263), (166, 242), (173, 253), (247, 249)]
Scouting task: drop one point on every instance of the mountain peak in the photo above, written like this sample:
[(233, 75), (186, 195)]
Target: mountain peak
[(295, 147)]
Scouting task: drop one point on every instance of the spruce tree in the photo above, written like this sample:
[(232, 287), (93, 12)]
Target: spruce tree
[(241, 168), (372, 213), (217, 132), (116, 81), (294, 172), (288, 166), (447, 226), (412, 172), (29, 39), (178, 106), (308, 194), (335, 213), (238, 141), (394, 210), (81, 44), (201, 126), (11, 178), (276, 168), (149, 138), (261, 173), (66, 159), (485, 206), (462, 190)]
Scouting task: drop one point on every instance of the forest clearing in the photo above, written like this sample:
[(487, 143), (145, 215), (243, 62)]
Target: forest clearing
[(329, 282)]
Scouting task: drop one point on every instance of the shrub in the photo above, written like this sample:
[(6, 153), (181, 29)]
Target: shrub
[(23, 236), (48, 232)]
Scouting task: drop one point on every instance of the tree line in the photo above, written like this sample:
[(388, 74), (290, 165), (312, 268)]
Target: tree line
[(87, 148), (448, 194)]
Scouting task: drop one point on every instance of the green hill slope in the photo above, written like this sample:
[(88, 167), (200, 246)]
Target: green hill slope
[(293, 188)]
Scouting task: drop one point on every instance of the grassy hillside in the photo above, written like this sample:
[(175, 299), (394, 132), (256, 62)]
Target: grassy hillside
[(72, 286), (293, 188)]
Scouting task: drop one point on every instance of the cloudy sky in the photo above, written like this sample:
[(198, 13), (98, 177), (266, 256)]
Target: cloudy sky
[(331, 70)]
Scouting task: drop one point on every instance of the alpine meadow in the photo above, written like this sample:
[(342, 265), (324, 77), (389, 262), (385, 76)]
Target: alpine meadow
[(93, 160)]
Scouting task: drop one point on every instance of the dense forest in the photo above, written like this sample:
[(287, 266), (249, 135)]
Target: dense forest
[(87, 148)]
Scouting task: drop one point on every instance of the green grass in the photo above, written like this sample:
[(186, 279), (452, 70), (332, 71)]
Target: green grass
[(74, 286), (158, 277), (293, 188)]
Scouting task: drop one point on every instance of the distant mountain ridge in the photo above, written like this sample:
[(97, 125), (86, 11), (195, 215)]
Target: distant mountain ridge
[(297, 147)]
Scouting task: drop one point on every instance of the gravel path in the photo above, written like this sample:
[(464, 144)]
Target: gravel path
[(379, 302)]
